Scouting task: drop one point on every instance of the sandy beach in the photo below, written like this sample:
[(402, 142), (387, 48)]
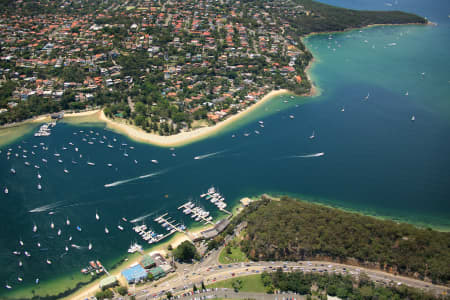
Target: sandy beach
[(182, 138)]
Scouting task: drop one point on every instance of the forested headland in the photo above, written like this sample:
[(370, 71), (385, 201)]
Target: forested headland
[(295, 230)]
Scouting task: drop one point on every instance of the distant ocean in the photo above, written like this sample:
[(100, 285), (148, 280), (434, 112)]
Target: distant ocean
[(367, 155)]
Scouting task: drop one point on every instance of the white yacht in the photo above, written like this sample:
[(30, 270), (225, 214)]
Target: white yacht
[(91, 163), (90, 246), (13, 171), (106, 230), (97, 217), (313, 135), (155, 161), (66, 171), (135, 247), (39, 186), (48, 261), (120, 227), (413, 118)]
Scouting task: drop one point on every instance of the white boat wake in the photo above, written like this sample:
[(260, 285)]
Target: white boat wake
[(142, 217), (208, 155), (47, 207), (309, 155), (116, 183)]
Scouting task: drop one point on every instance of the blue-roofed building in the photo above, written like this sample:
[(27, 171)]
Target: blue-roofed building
[(134, 274)]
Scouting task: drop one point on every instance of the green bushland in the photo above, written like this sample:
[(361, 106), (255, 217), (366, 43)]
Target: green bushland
[(341, 286), (295, 230)]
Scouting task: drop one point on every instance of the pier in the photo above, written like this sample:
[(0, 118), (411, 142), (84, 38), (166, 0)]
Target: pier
[(195, 213)]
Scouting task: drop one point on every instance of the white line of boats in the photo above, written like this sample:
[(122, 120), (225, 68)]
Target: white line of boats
[(45, 129), (215, 198)]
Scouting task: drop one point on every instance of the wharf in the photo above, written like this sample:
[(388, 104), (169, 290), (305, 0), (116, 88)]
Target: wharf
[(195, 214)]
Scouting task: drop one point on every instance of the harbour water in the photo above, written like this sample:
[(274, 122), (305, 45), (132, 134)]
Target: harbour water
[(366, 155)]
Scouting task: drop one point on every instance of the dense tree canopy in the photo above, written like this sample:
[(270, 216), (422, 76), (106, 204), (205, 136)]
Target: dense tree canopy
[(294, 230)]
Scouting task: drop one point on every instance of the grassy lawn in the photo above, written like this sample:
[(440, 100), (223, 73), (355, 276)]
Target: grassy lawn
[(250, 283), (236, 256)]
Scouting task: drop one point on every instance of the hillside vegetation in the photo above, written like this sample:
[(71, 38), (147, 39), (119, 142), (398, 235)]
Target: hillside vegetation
[(296, 230)]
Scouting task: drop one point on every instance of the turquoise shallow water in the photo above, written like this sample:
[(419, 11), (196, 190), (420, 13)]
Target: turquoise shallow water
[(375, 159)]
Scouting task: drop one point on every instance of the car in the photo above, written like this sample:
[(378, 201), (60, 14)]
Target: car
[(232, 274)]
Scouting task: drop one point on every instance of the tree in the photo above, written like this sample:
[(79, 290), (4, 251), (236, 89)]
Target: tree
[(169, 295), (169, 248), (186, 252), (203, 286), (122, 290), (149, 276)]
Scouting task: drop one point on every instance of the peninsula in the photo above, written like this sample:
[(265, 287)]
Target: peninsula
[(165, 67)]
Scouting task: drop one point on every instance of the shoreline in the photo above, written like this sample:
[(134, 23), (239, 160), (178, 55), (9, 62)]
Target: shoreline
[(188, 137)]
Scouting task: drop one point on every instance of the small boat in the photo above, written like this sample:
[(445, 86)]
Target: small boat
[(34, 228), (48, 261), (120, 227), (233, 136), (16, 252), (93, 265), (57, 154), (110, 146), (70, 237), (135, 161), (20, 242), (67, 222), (291, 116), (76, 149), (52, 225), (124, 219), (39, 187), (99, 264), (13, 171), (7, 286), (66, 248), (27, 254), (313, 135), (91, 163), (26, 163), (59, 232), (44, 160), (367, 97), (19, 279), (60, 161), (342, 109), (90, 246), (413, 118), (106, 230), (20, 263), (407, 93), (155, 161), (125, 154), (97, 217), (66, 171), (109, 165), (74, 162), (39, 176), (38, 244), (78, 228), (37, 281)]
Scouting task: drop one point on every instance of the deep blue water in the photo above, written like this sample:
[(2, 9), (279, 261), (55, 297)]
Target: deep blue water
[(376, 160)]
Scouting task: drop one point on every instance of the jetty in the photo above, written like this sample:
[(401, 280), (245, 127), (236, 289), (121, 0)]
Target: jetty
[(197, 213)]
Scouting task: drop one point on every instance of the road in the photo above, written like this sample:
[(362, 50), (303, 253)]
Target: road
[(210, 271)]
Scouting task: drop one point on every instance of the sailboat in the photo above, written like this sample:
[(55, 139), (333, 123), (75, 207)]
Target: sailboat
[(39, 176), (367, 97), (413, 118), (6, 190), (37, 281), (90, 246), (67, 222), (97, 217), (342, 109), (34, 228), (106, 230), (313, 135), (52, 225), (59, 232), (407, 93), (39, 186)]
